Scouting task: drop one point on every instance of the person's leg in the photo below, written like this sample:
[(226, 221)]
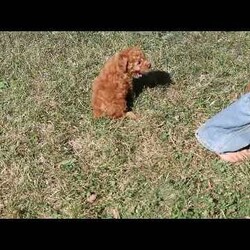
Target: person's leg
[(228, 132)]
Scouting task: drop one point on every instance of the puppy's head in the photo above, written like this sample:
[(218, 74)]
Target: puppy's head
[(133, 62)]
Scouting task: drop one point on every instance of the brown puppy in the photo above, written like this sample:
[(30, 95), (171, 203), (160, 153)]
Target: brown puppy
[(114, 82)]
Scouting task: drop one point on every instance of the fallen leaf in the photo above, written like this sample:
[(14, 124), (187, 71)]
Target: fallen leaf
[(131, 115), (91, 198), (115, 213), (247, 88), (3, 85), (76, 144)]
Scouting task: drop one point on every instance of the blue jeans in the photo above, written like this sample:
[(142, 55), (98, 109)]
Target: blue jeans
[(229, 130)]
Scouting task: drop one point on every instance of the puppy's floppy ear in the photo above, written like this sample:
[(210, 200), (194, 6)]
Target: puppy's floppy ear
[(123, 63)]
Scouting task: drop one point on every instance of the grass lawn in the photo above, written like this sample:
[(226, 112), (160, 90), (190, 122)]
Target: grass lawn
[(57, 162)]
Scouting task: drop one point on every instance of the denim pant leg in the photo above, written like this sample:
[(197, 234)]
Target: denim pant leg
[(228, 130)]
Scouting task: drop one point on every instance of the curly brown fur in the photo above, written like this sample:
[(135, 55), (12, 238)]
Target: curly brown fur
[(111, 87)]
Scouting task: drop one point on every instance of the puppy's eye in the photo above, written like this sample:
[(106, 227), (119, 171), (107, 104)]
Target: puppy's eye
[(139, 62)]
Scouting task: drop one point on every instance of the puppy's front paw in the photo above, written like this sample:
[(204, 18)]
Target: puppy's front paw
[(131, 115)]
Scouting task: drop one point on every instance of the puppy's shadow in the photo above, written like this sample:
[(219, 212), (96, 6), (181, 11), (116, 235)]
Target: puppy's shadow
[(151, 79)]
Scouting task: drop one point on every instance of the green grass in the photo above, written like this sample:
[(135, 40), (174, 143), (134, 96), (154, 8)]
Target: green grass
[(53, 155)]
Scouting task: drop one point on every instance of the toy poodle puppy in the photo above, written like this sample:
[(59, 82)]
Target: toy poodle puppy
[(112, 86)]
